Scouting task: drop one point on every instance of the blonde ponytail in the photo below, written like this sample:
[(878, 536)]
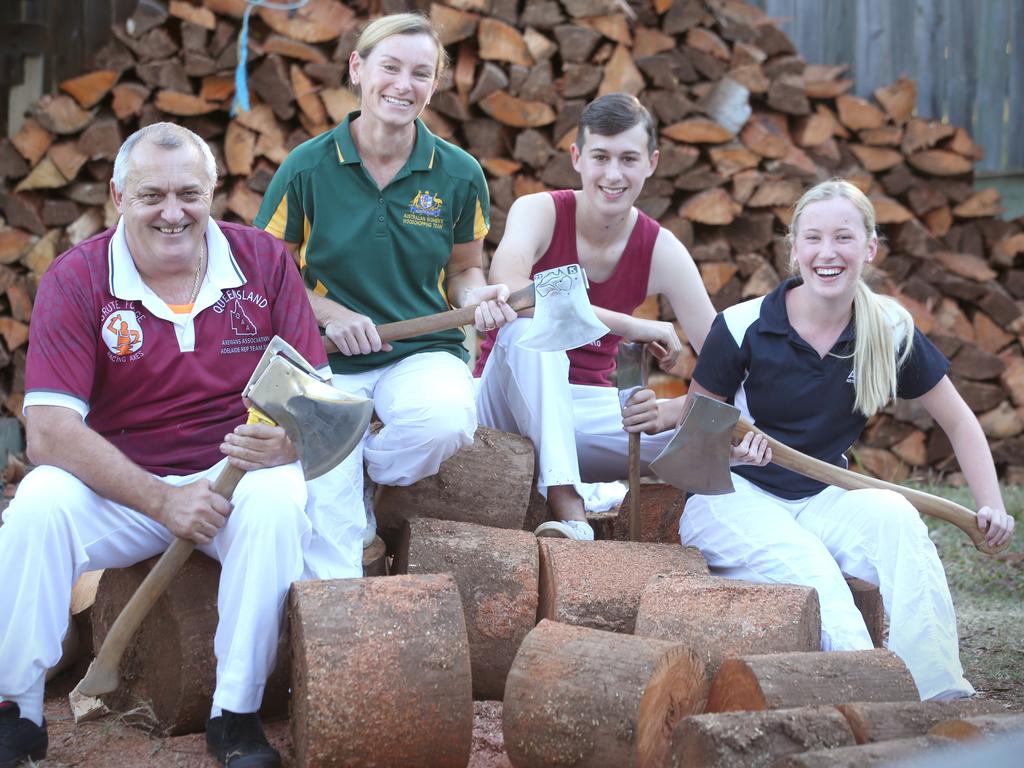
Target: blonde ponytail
[(883, 334), (883, 329)]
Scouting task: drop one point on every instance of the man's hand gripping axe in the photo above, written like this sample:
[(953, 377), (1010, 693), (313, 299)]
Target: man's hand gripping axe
[(697, 460), (323, 423)]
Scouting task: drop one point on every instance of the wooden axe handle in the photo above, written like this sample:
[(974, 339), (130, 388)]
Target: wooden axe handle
[(801, 463), (102, 676), (524, 298)]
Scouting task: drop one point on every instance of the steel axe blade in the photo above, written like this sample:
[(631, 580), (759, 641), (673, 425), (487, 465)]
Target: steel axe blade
[(562, 316)]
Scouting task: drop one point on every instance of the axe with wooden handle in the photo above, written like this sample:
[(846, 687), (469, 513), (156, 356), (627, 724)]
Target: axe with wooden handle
[(323, 423), (563, 318), (697, 460), (630, 378)]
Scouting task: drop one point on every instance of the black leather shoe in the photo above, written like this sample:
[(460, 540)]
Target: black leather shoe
[(21, 740), (238, 741)]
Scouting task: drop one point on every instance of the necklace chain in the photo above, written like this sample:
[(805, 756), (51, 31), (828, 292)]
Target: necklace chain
[(199, 271)]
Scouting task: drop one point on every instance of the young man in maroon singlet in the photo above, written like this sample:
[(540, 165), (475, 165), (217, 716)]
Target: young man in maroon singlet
[(565, 402)]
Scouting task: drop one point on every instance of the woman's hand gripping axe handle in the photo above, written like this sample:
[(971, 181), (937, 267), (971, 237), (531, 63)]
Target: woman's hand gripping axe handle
[(323, 423)]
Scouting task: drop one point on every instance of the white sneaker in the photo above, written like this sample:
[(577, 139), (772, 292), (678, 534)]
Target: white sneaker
[(578, 530), (370, 531)]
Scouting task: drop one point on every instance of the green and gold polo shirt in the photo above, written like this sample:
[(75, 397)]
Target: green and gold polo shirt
[(379, 252)]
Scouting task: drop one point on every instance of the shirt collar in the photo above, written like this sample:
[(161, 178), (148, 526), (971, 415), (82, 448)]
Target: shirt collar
[(222, 269), (422, 158), (775, 319)]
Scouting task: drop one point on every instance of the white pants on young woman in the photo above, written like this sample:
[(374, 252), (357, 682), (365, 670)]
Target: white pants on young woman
[(575, 428), (425, 402), (57, 528), (874, 535)]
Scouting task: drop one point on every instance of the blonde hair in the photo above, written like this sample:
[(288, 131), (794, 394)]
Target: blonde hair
[(880, 323), (401, 24)]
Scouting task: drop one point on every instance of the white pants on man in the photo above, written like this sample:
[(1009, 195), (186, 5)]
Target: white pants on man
[(575, 428), (425, 402), (57, 528), (875, 535)]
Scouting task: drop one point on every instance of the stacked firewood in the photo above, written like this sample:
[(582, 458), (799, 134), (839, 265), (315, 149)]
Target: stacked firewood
[(745, 125)]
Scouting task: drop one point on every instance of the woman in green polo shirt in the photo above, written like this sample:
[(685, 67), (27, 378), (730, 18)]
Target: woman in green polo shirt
[(387, 222)]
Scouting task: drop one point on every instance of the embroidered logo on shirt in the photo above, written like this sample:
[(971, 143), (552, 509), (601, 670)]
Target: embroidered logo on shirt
[(425, 210), (122, 334), (240, 322), (850, 379)]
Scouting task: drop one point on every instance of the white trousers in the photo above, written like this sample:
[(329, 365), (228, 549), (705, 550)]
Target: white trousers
[(57, 528), (425, 403), (576, 429), (874, 535)]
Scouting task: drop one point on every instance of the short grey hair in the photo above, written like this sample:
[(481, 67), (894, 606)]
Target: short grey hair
[(165, 136)]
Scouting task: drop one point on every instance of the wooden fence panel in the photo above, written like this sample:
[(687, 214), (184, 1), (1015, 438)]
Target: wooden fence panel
[(967, 57)]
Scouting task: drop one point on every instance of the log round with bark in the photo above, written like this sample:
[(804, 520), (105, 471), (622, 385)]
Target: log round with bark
[(581, 696), (487, 483), (598, 583), (884, 753), (381, 673), (169, 666), (887, 720), (755, 739), (723, 617), (497, 573), (778, 681)]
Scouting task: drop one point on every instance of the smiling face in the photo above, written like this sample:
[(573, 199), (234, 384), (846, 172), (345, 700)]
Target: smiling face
[(831, 245), (396, 79), (165, 204), (613, 169)]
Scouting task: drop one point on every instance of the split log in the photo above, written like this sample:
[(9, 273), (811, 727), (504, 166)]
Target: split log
[(497, 574), (868, 600), (375, 562), (488, 483), (755, 739), (177, 635), (381, 661), (884, 721), (886, 753), (784, 680), (598, 584), (719, 617), (974, 727), (580, 696)]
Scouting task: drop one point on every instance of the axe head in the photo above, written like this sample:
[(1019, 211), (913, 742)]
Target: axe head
[(630, 370), (697, 457), (562, 317), (323, 423)]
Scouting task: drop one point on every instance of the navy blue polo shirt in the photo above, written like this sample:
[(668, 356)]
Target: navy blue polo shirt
[(753, 357)]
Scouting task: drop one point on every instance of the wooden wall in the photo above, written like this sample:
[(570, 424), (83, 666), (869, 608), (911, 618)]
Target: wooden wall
[(967, 57)]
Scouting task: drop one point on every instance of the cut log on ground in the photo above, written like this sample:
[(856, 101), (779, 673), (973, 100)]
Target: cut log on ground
[(977, 726), (497, 572), (884, 753), (868, 599), (381, 673), (375, 561), (487, 483), (885, 721), (719, 617), (580, 696), (784, 680), (169, 666), (755, 739), (598, 583)]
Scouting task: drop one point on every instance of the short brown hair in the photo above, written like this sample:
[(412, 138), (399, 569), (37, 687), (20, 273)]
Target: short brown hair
[(614, 113)]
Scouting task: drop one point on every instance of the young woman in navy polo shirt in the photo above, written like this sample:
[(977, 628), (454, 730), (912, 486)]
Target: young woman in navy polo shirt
[(809, 363)]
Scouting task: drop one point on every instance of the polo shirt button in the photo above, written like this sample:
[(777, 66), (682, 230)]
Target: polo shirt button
[(380, 200), (380, 218)]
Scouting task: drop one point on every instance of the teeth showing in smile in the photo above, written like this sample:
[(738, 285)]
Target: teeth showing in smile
[(613, 190), (827, 271), (397, 102), (172, 230)]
